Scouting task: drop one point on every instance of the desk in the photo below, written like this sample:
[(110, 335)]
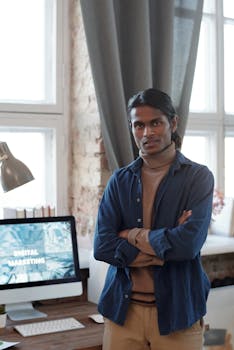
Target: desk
[(88, 338)]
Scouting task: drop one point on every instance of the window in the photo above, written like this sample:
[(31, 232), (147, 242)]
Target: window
[(210, 129), (37, 192), (200, 153), (32, 115), (203, 97), (228, 65), (229, 147), (27, 61)]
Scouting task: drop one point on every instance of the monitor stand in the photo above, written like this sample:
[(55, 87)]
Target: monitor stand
[(23, 311)]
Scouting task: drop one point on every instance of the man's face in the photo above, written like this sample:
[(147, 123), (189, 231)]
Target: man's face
[(151, 129)]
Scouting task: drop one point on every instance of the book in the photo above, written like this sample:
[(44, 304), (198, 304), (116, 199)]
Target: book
[(38, 212), (6, 344), (29, 212), (20, 213), (46, 211), (52, 211), (9, 213)]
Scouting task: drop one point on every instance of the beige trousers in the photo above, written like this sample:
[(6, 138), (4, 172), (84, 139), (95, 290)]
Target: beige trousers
[(140, 332)]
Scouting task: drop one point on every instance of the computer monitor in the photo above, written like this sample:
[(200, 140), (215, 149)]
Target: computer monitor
[(39, 260)]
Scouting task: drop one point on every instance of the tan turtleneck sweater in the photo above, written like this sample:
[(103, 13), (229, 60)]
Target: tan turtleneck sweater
[(153, 171)]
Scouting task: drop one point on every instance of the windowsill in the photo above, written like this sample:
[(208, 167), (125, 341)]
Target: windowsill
[(218, 245)]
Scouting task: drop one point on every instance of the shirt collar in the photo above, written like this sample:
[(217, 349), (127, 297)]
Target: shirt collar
[(178, 162)]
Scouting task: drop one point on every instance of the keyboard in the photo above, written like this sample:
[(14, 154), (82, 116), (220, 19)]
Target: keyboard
[(50, 326)]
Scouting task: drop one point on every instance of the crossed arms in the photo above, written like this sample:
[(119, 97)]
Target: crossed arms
[(139, 237)]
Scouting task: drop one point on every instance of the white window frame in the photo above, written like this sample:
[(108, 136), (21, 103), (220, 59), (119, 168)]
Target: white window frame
[(58, 106), (216, 124), (215, 143), (55, 116)]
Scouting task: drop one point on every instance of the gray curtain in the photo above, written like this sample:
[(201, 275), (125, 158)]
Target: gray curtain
[(134, 45)]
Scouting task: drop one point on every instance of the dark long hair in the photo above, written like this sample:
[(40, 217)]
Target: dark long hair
[(156, 99)]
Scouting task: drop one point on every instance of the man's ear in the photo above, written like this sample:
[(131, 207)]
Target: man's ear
[(174, 123)]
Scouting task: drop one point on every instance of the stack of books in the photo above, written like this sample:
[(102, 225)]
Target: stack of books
[(40, 211)]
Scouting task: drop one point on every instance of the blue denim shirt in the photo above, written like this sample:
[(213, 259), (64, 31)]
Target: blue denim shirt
[(181, 285)]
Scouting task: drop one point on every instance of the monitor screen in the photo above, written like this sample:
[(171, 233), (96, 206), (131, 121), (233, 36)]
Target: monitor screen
[(39, 260)]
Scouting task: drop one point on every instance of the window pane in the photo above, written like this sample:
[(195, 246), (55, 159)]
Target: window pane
[(204, 91), (229, 169), (228, 67), (228, 8), (34, 148), (195, 148), (27, 60)]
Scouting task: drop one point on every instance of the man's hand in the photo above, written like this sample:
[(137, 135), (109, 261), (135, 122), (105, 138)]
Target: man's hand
[(123, 234), (185, 215)]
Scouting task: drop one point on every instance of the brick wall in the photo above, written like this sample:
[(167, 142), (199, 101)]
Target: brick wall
[(219, 268), (89, 168)]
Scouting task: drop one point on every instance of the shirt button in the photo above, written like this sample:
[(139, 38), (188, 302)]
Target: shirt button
[(126, 296), (139, 220), (138, 200)]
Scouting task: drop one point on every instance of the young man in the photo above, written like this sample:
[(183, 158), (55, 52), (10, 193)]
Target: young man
[(152, 222)]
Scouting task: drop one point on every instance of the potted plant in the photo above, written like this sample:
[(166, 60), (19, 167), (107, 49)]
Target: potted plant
[(2, 316)]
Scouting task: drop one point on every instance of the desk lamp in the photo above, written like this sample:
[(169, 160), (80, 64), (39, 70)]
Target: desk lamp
[(14, 173)]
